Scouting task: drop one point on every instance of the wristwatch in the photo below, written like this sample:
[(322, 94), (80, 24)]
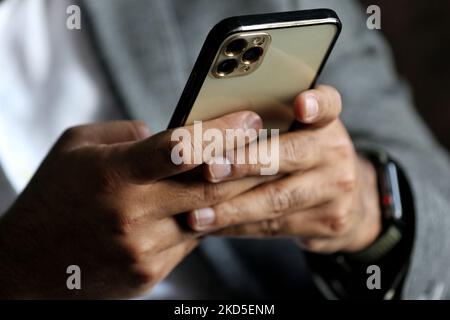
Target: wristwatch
[(393, 217)]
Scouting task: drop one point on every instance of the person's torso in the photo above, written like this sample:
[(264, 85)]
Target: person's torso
[(148, 49)]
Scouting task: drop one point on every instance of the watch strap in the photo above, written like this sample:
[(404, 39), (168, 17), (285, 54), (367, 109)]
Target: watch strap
[(388, 239)]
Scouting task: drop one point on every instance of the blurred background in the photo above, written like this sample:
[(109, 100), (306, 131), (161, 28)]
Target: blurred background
[(419, 34)]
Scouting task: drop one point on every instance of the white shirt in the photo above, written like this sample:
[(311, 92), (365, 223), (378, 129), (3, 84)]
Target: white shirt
[(49, 81)]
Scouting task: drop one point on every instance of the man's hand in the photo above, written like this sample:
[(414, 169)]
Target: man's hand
[(327, 198), (103, 200)]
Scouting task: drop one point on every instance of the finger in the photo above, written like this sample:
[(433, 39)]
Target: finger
[(320, 245), (152, 268), (141, 230), (154, 232), (310, 239), (151, 237), (177, 150), (295, 224), (172, 256), (184, 196), (318, 106), (170, 197), (299, 150), (315, 222), (268, 201), (104, 133)]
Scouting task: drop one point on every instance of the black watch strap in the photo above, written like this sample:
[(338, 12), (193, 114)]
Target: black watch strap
[(388, 239)]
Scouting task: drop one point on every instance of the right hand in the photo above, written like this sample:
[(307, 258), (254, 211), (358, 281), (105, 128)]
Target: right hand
[(103, 200)]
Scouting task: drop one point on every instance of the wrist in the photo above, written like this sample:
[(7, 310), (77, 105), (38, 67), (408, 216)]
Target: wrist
[(394, 201), (343, 274), (370, 226)]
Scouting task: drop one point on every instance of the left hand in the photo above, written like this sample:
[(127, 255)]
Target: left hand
[(326, 197)]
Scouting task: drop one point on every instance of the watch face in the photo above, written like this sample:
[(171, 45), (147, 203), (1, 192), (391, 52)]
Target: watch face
[(390, 192)]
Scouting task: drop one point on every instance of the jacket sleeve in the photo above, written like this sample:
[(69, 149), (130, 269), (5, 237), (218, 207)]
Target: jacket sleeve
[(378, 112)]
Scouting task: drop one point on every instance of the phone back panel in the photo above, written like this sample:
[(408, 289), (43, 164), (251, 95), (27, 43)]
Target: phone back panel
[(289, 66), (291, 63)]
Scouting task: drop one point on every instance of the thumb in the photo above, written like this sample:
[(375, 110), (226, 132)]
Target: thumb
[(318, 106)]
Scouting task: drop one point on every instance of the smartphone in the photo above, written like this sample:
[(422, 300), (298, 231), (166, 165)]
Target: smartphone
[(258, 63)]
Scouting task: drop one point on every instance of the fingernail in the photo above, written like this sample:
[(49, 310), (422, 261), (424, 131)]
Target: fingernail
[(144, 131), (219, 168), (311, 108), (204, 217), (253, 121)]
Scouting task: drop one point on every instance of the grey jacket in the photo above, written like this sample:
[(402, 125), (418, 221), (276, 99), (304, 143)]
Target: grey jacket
[(149, 47)]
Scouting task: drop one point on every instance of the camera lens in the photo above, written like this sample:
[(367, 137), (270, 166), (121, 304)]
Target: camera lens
[(226, 66), (252, 55), (235, 47)]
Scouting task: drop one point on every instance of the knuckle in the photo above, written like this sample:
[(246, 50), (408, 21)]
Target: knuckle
[(212, 192), (145, 276), (128, 219), (336, 99), (345, 150), (139, 129), (135, 251), (271, 227), (292, 152), (227, 214), (192, 193), (108, 181), (332, 99), (125, 224), (311, 245), (337, 222), (72, 133), (71, 138), (279, 199), (347, 182), (98, 170), (241, 170), (105, 178)]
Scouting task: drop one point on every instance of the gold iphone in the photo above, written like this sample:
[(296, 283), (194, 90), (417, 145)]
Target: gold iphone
[(258, 63)]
